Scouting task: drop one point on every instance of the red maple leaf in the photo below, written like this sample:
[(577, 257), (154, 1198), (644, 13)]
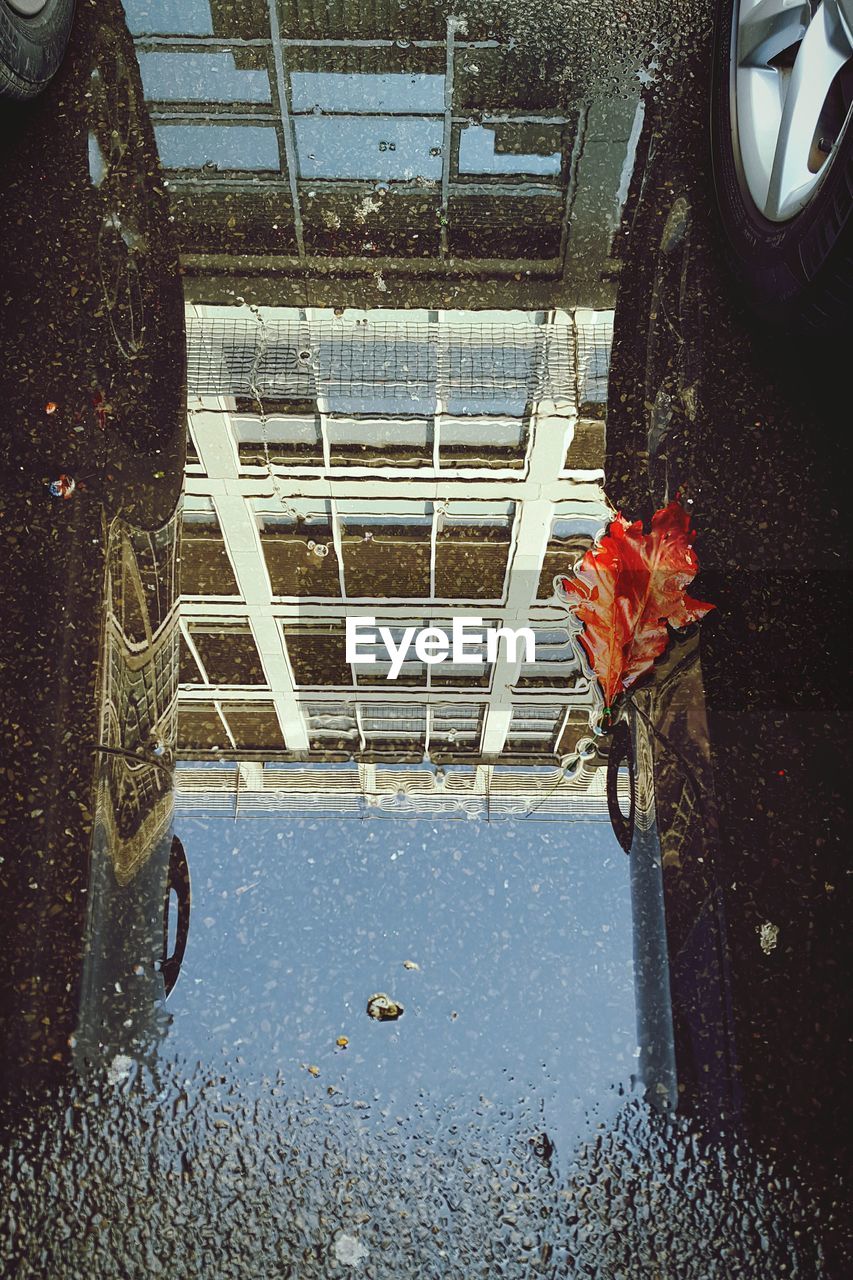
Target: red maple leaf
[(626, 590)]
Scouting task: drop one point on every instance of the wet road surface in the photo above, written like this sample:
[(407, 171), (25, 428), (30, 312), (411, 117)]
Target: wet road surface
[(605, 1066)]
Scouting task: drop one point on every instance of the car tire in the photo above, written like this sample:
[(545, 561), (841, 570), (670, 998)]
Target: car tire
[(32, 47), (797, 272)]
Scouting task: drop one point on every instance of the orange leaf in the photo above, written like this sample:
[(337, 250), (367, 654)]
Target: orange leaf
[(626, 590)]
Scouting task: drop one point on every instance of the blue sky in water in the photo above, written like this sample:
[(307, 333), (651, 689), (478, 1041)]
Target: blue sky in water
[(521, 932)]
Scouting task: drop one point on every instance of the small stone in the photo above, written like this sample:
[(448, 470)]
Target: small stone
[(383, 1008), (119, 1069), (768, 936), (349, 1251)]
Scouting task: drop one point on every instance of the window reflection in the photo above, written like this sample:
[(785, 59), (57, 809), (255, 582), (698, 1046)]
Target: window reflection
[(472, 549), (379, 442), (254, 726), (387, 556), (218, 146), (228, 21), (201, 727), (316, 654), (556, 664), (299, 549), (570, 538), (228, 655), (332, 726), (187, 17), (534, 728), (394, 727), (280, 441), (365, 460), (455, 729), (483, 442), (375, 666), (483, 149), (205, 566), (380, 147), (187, 76), (366, 93)]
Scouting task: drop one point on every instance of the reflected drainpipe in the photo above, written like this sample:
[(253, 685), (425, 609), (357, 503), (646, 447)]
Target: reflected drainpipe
[(655, 1033)]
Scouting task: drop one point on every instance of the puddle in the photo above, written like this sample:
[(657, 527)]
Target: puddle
[(403, 872)]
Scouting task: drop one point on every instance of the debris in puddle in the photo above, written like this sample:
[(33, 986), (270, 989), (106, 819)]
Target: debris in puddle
[(63, 486), (768, 936), (103, 409), (370, 204), (383, 1008), (542, 1147), (119, 1069), (349, 1251)]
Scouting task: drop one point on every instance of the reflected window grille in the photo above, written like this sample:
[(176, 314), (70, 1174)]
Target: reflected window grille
[(556, 659), (534, 727), (594, 342), (292, 440), (483, 441), (379, 441), (387, 366), (382, 722), (457, 726), (331, 725)]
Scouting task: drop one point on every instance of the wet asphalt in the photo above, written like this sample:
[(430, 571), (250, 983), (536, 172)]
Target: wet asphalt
[(758, 446)]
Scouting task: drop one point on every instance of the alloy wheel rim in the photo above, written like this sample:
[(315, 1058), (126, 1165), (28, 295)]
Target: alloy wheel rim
[(27, 8), (792, 67)]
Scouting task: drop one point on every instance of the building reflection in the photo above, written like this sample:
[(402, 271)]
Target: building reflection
[(305, 149), (139, 696), (411, 467), (139, 891), (349, 457)]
